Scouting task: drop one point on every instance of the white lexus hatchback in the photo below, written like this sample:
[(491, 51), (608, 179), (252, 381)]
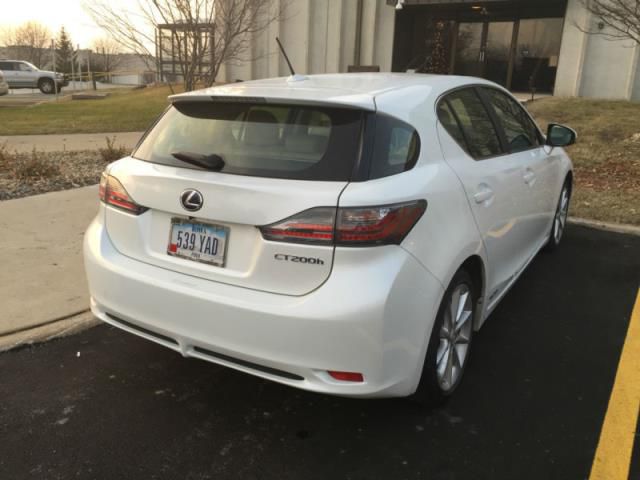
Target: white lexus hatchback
[(344, 234)]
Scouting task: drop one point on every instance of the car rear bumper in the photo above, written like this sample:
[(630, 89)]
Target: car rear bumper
[(373, 316)]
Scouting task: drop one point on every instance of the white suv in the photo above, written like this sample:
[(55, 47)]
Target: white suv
[(19, 74), (344, 234)]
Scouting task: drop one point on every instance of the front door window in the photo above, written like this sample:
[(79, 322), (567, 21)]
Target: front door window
[(519, 130)]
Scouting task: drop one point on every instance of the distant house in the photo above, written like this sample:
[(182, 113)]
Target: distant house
[(522, 44)]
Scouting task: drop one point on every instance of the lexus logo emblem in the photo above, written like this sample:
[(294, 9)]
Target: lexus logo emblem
[(191, 200)]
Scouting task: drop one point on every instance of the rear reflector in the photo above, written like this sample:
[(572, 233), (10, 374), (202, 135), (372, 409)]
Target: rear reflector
[(113, 193), (348, 226), (347, 376)]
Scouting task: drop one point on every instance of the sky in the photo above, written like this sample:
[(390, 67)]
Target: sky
[(54, 14)]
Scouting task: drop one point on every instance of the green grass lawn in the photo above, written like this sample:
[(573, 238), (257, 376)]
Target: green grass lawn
[(122, 111), (606, 157)]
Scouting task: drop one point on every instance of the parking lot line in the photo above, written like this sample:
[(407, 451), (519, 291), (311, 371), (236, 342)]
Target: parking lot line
[(613, 455)]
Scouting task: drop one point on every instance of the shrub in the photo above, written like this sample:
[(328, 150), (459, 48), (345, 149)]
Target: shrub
[(112, 152), (5, 157), (33, 167)]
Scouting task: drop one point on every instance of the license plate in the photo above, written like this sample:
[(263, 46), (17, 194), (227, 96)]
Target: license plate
[(200, 242)]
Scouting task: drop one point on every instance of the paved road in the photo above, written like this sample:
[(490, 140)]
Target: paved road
[(104, 404)]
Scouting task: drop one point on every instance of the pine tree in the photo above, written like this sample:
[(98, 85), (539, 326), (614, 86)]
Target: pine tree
[(437, 62), (64, 52)]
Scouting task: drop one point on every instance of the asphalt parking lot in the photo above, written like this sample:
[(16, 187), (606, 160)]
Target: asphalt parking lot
[(105, 404)]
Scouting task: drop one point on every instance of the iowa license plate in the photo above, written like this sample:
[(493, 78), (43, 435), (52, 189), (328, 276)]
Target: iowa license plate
[(199, 242)]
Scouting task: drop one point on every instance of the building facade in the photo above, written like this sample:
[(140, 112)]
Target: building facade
[(525, 45)]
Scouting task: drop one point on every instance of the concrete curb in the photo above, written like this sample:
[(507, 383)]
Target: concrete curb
[(44, 323), (68, 141), (48, 331), (610, 227)]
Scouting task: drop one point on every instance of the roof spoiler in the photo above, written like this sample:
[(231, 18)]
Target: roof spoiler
[(202, 98)]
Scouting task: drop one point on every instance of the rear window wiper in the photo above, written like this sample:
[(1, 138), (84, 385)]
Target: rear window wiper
[(213, 162)]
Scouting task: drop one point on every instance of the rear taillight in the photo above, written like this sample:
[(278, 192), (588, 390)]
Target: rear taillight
[(113, 193), (348, 226), (313, 226)]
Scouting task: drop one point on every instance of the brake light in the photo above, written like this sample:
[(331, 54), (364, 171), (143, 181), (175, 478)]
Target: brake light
[(113, 193), (348, 226)]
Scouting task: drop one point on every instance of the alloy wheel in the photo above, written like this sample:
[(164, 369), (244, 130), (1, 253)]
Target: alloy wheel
[(560, 220), (455, 336)]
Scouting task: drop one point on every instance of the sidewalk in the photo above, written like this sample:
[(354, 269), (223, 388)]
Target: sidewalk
[(71, 141), (42, 275)]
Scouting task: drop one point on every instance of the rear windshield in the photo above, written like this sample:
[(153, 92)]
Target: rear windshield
[(280, 141)]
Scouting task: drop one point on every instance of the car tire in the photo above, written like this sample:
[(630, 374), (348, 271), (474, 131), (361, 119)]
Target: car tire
[(444, 366), (47, 86), (560, 219)]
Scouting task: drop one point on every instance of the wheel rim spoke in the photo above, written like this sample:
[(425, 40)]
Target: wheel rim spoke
[(462, 303), (560, 219), (457, 363), (565, 202), (454, 305), (443, 351), (448, 374), (445, 331), (462, 321)]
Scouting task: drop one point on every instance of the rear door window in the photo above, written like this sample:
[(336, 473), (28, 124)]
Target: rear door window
[(280, 141), (446, 117), (520, 131), (6, 66), (474, 121)]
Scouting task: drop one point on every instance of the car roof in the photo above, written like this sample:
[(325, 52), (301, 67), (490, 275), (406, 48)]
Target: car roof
[(358, 90)]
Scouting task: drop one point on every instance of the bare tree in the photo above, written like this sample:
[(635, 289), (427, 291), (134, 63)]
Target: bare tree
[(28, 42), (107, 55), (617, 19), (206, 33)]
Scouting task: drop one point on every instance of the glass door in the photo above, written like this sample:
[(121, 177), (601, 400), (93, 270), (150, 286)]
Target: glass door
[(498, 52), (536, 55), (484, 49), (469, 58)]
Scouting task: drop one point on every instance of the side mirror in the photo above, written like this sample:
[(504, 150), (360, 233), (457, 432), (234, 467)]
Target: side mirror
[(560, 136)]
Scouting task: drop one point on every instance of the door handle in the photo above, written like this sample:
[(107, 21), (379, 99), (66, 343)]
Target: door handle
[(529, 177), (484, 194)]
